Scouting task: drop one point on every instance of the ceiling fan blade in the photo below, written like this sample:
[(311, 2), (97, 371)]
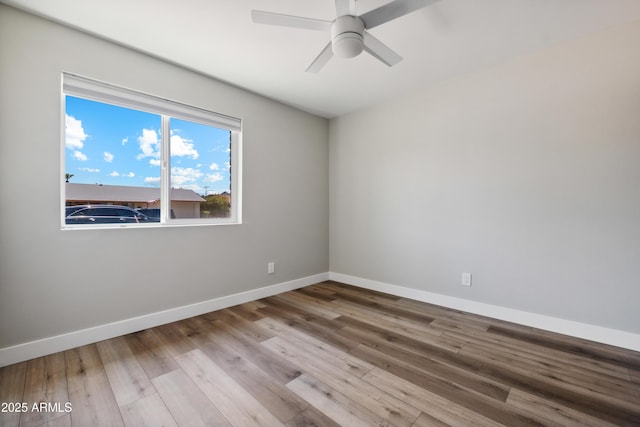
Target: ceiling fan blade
[(391, 11), (379, 50), (269, 18), (345, 7), (321, 60)]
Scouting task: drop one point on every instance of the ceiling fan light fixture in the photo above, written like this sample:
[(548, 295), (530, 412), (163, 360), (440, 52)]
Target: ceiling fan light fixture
[(347, 45), (347, 36)]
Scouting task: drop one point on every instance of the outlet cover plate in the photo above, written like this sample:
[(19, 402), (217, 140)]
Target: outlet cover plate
[(466, 279)]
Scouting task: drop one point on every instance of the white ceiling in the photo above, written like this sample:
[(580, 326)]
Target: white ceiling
[(447, 39)]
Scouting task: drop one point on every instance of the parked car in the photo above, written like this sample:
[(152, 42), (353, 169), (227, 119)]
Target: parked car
[(68, 210), (153, 213), (103, 214)]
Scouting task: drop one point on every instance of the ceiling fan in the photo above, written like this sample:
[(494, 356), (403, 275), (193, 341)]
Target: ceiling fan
[(349, 35)]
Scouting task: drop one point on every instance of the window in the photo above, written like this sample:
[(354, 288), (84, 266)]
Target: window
[(133, 159)]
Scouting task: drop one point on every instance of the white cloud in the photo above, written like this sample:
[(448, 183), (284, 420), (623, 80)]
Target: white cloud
[(152, 180), (125, 140), (149, 144), (80, 156), (90, 170), (180, 176), (214, 167), (154, 162), (183, 147), (194, 187), (214, 177), (128, 175), (108, 157), (74, 135), (179, 181)]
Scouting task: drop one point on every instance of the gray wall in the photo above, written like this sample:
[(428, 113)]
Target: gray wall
[(526, 175), (54, 281)]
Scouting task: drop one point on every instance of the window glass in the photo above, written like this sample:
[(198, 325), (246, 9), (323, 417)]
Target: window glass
[(201, 163), (112, 155)]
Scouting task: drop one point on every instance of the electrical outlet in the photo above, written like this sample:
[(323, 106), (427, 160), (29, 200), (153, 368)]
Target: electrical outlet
[(271, 267), (466, 279)]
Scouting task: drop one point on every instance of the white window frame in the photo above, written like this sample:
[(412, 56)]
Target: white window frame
[(82, 87)]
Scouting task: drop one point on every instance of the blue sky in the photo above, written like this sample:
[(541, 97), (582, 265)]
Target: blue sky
[(107, 144)]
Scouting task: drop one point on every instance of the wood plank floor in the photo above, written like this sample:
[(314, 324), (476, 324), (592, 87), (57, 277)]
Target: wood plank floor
[(329, 355)]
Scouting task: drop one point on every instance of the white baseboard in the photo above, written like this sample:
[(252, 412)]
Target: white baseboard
[(42, 347), (567, 327)]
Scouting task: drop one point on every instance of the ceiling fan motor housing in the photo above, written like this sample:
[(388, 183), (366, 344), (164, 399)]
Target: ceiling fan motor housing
[(347, 38)]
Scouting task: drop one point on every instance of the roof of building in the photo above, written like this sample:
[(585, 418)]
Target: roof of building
[(122, 193)]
